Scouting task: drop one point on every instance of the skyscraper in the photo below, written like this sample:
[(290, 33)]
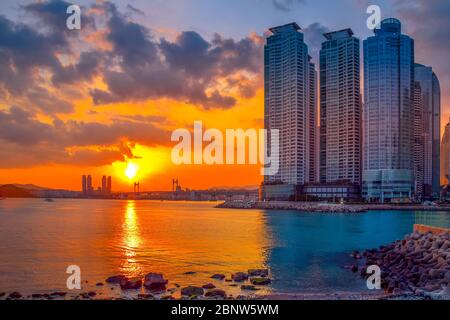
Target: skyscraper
[(431, 126), (84, 185), (340, 108), (445, 155), (89, 187), (289, 104), (387, 114), (104, 188), (108, 185), (418, 148)]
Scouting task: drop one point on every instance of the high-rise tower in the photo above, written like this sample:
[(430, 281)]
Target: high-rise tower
[(289, 104), (340, 108), (431, 126), (388, 114)]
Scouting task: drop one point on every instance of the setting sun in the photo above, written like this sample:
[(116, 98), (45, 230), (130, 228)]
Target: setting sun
[(131, 170)]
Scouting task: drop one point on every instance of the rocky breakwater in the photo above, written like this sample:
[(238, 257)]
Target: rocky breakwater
[(419, 264), (319, 207)]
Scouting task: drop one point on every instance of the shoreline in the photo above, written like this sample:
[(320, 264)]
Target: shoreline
[(321, 207)]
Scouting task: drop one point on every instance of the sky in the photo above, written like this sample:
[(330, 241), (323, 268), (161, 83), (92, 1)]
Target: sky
[(91, 101)]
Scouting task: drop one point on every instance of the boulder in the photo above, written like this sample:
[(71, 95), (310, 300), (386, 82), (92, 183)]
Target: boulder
[(239, 277), (155, 281), (208, 286), (192, 291), (260, 281), (144, 296), (15, 295), (258, 272), (218, 276), (216, 293), (59, 294), (249, 288), (116, 279), (131, 284)]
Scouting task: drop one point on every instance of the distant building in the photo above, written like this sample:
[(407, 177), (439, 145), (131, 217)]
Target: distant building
[(104, 186), (418, 149), (89, 187), (109, 185), (431, 126), (340, 108), (388, 114), (289, 105), (445, 156), (334, 192), (84, 185)]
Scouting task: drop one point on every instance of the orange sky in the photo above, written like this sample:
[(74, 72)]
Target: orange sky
[(93, 101)]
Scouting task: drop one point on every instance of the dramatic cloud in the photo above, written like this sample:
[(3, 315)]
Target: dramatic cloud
[(186, 69), (28, 141)]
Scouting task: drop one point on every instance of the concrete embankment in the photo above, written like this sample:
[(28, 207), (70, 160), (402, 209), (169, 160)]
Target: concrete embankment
[(327, 207)]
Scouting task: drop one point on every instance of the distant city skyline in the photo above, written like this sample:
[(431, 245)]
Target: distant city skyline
[(83, 101)]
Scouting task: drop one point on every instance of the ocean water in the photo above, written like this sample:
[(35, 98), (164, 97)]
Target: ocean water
[(188, 242)]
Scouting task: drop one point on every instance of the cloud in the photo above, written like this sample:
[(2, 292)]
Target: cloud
[(28, 141), (314, 38), (428, 23), (186, 69), (286, 5)]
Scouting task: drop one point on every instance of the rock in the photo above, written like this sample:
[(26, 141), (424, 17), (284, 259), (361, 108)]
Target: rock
[(216, 293), (91, 293), (116, 279), (258, 272), (59, 294), (354, 268), (168, 298), (431, 287), (397, 291), (218, 276), (15, 295), (208, 286), (131, 284), (249, 288), (239, 277), (99, 284), (192, 291), (190, 272), (145, 296), (155, 281), (260, 281)]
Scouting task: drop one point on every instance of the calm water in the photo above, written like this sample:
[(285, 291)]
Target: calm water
[(304, 252)]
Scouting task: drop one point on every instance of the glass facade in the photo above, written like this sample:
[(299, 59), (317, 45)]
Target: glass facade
[(388, 114)]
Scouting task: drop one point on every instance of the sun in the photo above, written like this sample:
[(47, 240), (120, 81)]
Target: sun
[(131, 170)]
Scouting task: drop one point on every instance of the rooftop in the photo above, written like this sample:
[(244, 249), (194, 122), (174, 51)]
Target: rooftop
[(344, 33), (290, 26)]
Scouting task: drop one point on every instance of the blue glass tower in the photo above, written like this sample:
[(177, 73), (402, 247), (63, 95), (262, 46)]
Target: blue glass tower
[(388, 114)]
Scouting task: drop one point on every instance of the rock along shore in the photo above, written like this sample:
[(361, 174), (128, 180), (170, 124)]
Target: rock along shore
[(419, 264), (323, 207)]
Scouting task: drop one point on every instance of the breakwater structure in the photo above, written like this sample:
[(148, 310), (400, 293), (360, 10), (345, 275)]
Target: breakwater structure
[(327, 207)]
